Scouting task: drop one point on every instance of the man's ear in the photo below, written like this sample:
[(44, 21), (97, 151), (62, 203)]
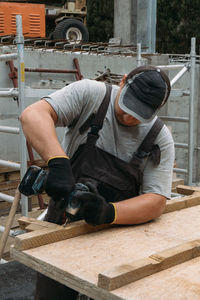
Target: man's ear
[(122, 82)]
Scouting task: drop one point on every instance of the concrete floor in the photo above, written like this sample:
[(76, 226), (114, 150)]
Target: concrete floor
[(17, 282)]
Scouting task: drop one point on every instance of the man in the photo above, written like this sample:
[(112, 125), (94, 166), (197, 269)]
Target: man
[(104, 146)]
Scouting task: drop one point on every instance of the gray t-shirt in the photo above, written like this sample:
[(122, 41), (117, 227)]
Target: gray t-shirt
[(77, 101)]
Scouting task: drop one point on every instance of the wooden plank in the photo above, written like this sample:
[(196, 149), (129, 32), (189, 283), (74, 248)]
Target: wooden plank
[(33, 227), (183, 202), (176, 283), (32, 214), (24, 222), (8, 185), (121, 275), (77, 262), (176, 182), (9, 176), (3, 220), (9, 222), (187, 190), (54, 234), (82, 286)]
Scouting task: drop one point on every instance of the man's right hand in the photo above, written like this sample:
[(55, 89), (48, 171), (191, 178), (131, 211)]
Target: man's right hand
[(60, 180)]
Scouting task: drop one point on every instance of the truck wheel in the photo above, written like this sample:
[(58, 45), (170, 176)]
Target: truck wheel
[(72, 30)]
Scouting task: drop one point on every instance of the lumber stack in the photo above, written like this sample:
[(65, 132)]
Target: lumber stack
[(157, 260)]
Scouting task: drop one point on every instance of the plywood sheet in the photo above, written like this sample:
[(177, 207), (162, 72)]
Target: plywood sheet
[(77, 262), (181, 282)]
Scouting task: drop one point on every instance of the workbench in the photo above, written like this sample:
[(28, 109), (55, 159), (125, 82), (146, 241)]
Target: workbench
[(156, 260)]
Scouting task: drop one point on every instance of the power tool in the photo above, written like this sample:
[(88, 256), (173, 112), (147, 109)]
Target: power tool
[(33, 183)]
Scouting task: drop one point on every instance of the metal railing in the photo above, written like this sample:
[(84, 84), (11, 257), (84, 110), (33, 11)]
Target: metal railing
[(188, 66), (19, 92), (185, 66)]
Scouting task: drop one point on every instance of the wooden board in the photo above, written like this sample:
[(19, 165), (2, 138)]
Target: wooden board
[(3, 220), (122, 275), (77, 262), (53, 233), (49, 233)]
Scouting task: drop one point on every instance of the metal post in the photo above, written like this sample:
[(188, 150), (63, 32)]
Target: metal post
[(151, 25), (179, 75), (191, 110), (21, 87), (139, 58)]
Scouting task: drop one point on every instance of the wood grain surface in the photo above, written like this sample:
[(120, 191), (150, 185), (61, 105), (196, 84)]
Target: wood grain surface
[(78, 261)]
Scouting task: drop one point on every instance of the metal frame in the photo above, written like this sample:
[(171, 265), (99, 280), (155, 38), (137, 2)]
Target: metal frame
[(19, 56), (184, 67), (189, 66)]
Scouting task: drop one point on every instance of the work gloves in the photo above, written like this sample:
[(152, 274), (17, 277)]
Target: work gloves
[(94, 208), (60, 180)]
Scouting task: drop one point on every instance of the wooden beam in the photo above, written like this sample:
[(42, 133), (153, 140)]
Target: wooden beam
[(54, 234), (187, 190), (24, 222), (45, 232), (176, 182), (122, 275), (183, 202)]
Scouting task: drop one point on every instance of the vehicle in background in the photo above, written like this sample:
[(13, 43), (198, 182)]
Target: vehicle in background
[(60, 20)]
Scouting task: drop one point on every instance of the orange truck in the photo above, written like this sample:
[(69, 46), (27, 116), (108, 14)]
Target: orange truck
[(60, 20)]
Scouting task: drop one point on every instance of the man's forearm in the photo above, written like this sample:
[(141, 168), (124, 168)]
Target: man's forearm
[(39, 129), (139, 209)]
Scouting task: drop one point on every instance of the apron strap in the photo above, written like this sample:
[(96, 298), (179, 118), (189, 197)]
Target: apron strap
[(148, 147), (95, 122)]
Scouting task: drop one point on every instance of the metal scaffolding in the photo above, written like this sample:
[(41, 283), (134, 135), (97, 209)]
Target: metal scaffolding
[(19, 92), (188, 66), (191, 67)]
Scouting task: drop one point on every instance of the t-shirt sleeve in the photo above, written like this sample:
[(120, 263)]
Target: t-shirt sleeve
[(74, 100), (158, 179)]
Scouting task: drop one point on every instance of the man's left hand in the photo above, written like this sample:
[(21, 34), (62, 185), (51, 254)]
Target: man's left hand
[(94, 209)]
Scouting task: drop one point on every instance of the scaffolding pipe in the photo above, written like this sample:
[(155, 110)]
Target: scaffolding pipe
[(174, 119), (181, 171), (9, 56), (11, 232), (191, 110), (170, 67), (6, 198), (181, 145), (139, 58), (9, 164), (10, 93), (7, 129), (21, 87), (50, 70), (179, 75)]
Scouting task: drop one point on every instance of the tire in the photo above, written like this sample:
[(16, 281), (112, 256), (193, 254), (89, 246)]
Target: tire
[(72, 30)]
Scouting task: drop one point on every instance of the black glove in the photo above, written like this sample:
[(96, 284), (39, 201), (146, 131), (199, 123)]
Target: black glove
[(60, 180), (94, 208), (55, 213)]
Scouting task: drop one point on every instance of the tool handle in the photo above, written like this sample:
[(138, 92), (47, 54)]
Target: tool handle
[(9, 222), (74, 203)]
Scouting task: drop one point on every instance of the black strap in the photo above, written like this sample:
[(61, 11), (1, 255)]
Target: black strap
[(148, 147), (95, 121)]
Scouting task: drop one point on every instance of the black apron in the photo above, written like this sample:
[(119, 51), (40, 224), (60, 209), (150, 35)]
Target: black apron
[(114, 178)]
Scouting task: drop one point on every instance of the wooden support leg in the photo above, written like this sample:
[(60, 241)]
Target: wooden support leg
[(9, 222)]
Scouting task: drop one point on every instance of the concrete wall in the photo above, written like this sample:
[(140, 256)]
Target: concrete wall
[(89, 65)]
